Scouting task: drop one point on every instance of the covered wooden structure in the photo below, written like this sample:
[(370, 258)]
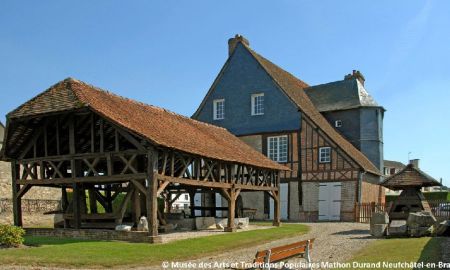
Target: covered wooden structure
[(410, 180), (77, 137)]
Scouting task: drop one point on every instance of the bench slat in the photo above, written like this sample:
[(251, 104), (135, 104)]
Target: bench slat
[(283, 252)]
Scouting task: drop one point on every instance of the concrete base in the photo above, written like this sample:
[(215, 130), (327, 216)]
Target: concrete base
[(228, 229)]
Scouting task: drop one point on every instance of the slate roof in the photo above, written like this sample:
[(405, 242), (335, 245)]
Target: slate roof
[(294, 89), (410, 177), (340, 95), (159, 126)]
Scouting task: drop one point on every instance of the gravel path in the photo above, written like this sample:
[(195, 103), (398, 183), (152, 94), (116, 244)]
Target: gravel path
[(334, 242)]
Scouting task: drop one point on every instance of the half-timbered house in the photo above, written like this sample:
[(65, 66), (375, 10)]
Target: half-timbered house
[(78, 138), (269, 109)]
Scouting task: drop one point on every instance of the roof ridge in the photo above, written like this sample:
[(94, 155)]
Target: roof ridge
[(96, 88), (312, 111)]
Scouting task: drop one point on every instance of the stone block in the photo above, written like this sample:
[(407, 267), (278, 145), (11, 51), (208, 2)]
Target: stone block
[(397, 227), (378, 230), (203, 223), (443, 228), (379, 218), (420, 219)]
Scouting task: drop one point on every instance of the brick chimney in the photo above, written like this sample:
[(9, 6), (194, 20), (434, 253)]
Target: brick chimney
[(232, 42), (415, 163), (356, 74)]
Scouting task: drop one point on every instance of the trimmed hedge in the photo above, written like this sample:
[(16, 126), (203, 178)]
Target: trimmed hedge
[(432, 196), (11, 236)]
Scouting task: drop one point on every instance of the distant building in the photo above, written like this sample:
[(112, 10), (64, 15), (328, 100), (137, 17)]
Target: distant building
[(392, 167)]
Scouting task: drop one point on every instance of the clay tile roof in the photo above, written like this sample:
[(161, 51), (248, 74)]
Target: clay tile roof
[(161, 127), (294, 89), (410, 176)]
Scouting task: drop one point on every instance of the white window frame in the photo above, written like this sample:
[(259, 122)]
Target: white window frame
[(338, 123), (322, 158), (275, 149), (254, 104), (216, 115)]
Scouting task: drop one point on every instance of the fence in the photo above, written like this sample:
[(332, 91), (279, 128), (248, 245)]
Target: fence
[(364, 211), (31, 205)]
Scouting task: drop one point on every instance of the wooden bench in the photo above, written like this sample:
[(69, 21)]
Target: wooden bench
[(282, 253)]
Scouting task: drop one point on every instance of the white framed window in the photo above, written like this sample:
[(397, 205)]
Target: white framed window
[(258, 104), (324, 154), (338, 123), (277, 148), (219, 109)]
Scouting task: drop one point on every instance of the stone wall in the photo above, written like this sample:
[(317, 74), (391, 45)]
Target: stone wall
[(95, 234), (44, 193)]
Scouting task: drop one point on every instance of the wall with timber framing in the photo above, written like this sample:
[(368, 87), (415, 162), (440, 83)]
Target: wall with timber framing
[(85, 152)]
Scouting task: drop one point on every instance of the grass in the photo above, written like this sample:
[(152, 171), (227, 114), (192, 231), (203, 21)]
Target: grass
[(423, 249), (107, 254)]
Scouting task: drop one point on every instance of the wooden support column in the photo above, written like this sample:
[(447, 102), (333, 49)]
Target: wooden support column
[(192, 202), (17, 201), (65, 205), (136, 206), (92, 201), (76, 203), (231, 227), (277, 208), (152, 189)]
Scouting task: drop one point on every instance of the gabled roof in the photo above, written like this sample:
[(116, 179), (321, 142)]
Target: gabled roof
[(159, 126), (340, 95), (410, 177), (294, 89)]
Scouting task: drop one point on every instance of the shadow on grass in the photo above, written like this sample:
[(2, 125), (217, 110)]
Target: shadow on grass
[(431, 252)]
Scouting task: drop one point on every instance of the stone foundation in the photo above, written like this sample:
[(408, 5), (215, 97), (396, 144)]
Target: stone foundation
[(94, 234)]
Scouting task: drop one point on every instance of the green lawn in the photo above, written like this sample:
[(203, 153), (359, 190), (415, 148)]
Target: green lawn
[(423, 249), (79, 253)]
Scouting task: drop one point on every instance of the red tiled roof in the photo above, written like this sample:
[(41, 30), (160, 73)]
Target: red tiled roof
[(159, 126), (294, 89)]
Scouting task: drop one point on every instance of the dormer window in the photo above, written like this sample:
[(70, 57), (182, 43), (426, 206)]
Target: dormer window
[(258, 104), (219, 109), (338, 123)]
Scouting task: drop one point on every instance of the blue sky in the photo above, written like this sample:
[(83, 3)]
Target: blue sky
[(167, 53)]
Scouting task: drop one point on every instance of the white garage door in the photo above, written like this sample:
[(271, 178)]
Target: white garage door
[(330, 201), (284, 202)]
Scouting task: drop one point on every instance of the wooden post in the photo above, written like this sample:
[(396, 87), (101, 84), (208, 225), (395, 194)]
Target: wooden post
[(231, 211), (136, 206), (276, 207), (17, 201), (152, 188), (76, 206), (192, 202), (92, 201), (65, 205)]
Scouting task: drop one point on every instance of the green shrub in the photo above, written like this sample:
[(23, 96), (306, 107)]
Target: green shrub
[(431, 196), (11, 236)]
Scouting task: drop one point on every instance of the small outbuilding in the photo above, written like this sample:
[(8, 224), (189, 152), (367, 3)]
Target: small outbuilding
[(410, 180)]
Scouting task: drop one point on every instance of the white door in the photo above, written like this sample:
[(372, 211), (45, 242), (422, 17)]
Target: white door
[(219, 204), (284, 189), (198, 202), (330, 201)]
